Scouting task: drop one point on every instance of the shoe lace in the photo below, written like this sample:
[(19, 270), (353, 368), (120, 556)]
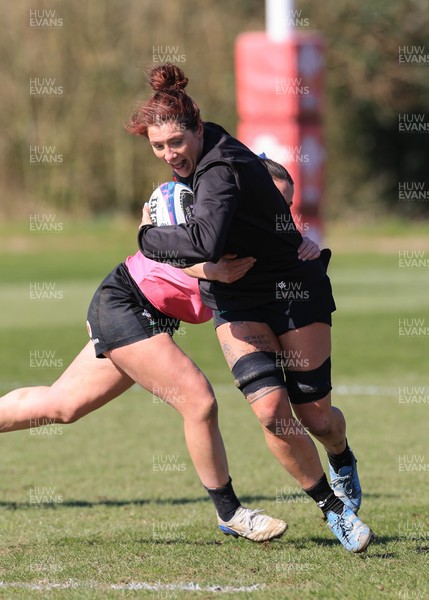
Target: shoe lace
[(249, 518), (345, 526)]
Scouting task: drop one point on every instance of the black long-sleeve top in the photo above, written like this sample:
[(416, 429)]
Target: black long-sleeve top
[(239, 210)]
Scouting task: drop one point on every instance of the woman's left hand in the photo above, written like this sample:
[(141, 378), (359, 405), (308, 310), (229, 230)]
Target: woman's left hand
[(146, 220)]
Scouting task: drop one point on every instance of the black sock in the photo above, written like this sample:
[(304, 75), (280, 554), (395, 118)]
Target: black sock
[(324, 497), (225, 500), (344, 459)]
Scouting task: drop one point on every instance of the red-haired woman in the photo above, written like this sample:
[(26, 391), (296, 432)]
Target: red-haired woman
[(278, 316)]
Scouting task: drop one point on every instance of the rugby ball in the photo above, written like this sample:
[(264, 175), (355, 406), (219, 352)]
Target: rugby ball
[(171, 204)]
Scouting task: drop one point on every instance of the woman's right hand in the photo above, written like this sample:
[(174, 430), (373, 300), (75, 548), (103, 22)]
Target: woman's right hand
[(308, 250)]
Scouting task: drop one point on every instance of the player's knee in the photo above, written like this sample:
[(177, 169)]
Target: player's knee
[(325, 421), (281, 423), (271, 413), (309, 386), (201, 406), (66, 415), (207, 409), (270, 420), (63, 407), (319, 425)]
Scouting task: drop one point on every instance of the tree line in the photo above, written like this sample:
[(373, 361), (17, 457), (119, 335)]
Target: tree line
[(72, 73)]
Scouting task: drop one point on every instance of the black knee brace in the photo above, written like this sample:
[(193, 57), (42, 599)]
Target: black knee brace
[(258, 370), (309, 386)]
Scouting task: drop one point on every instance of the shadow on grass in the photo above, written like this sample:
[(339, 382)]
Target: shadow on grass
[(375, 550), (286, 497), (149, 541), (101, 502), (291, 498)]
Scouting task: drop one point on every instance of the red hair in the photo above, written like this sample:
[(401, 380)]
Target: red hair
[(169, 103)]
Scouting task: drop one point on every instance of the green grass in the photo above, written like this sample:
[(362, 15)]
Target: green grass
[(84, 504)]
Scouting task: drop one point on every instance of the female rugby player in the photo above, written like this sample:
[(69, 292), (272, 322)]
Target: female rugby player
[(281, 309), (131, 320)]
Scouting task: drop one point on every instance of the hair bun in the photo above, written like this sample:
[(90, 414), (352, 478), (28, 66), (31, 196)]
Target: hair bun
[(167, 76)]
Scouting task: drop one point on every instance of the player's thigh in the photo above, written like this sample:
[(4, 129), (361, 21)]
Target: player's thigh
[(162, 368), (88, 383), (253, 354), (240, 338), (306, 348)]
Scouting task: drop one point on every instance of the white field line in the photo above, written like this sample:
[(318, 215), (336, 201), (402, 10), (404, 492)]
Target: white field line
[(339, 390), (223, 388), (364, 390), (136, 585)]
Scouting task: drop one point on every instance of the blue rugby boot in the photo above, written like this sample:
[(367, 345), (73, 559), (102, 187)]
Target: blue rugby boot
[(345, 485), (354, 535)]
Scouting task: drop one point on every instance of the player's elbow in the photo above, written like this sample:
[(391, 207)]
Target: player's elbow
[(209, 255), (211, 250)]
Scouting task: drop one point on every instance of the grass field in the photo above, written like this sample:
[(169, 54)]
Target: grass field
[(86, 513)]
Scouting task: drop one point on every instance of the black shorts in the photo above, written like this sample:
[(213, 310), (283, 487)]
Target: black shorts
[(294, 308), (119, 314)]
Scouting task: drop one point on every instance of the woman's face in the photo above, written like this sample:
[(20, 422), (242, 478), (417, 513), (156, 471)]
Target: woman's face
[(180, 148)]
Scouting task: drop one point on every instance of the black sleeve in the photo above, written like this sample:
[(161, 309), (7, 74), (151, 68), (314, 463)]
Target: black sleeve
[(203, 237)]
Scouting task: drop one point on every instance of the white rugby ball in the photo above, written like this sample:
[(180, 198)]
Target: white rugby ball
[(171, 204)]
